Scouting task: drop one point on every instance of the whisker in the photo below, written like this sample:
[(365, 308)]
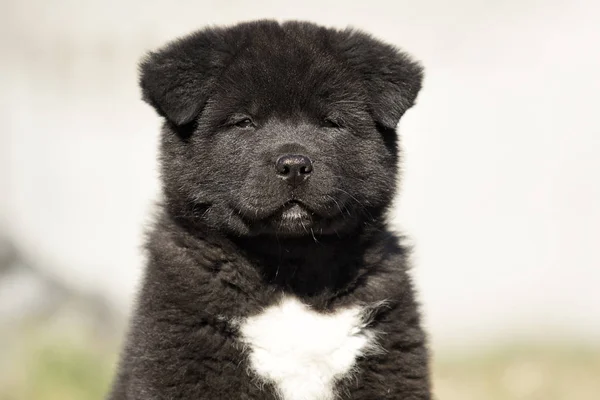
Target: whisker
[(337, 204)]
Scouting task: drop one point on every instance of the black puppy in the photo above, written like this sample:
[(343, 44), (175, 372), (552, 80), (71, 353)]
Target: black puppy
[(272, 273)]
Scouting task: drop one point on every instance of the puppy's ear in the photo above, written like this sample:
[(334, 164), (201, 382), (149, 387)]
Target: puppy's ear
[(392, 79), (178, 79)]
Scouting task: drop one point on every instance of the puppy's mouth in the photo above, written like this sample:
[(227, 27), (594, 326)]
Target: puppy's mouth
[(292, 218), (296, 218), (293, 210)]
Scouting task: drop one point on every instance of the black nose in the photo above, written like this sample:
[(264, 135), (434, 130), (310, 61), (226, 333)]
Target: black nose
[(294, 168)]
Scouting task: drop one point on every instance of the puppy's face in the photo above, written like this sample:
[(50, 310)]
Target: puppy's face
[(279, 129)]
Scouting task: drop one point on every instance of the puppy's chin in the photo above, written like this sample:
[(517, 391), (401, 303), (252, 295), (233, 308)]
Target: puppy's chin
[(295, 220), (292, 220)]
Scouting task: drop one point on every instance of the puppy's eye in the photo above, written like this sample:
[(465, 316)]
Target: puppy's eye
[(244, 123), (331, 123)]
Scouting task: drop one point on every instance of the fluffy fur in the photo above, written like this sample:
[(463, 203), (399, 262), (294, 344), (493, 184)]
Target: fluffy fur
[(304, 352), (256, 282)]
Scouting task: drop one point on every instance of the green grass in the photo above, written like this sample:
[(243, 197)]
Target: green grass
[(56, 364), (52, 367), (532, 372)]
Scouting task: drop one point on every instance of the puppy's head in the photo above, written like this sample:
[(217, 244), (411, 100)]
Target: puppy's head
[(285, 129)]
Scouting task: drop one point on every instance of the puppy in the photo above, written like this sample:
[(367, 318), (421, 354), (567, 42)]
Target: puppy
[(271, 271)]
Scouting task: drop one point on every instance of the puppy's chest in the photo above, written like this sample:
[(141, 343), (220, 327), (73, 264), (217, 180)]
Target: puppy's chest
[(303, 353)]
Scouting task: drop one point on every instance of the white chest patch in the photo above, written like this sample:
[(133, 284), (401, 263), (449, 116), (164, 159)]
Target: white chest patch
[(304, 352)]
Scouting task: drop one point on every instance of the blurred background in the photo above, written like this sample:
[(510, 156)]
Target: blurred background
[(500, 192)]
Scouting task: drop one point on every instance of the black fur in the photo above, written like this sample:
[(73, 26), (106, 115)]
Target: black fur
[(234, 99)]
